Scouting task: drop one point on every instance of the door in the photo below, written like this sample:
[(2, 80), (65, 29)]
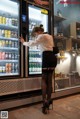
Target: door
[(37, 16), (9, 38)]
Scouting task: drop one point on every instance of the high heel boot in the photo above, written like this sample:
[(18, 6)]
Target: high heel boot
[(45, 108)]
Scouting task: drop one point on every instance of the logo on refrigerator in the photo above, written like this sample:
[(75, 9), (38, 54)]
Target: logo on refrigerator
[(44, 11), (23, 18)]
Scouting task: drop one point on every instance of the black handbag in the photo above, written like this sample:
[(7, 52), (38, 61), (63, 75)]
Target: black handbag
[(55, 50)]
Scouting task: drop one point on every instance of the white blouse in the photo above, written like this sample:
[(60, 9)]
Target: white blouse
[(43, 41)]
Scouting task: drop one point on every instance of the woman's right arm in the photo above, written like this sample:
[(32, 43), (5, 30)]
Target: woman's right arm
[(36, 42)]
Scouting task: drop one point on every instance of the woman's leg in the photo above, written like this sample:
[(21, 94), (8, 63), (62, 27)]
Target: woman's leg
[(45, 107), (49, 85), (44, 85)]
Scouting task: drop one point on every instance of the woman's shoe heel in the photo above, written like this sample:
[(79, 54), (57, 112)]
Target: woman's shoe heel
[(51, 103), (45, 108)]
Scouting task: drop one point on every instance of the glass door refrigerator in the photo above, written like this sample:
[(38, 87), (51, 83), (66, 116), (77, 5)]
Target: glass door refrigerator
[(9, 38), (36, 16)]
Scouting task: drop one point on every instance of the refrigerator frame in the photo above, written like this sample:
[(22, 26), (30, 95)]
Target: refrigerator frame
[(27, 49), (20, 61)]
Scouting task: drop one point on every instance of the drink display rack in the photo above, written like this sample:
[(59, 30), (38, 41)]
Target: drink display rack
[(35, 60), (9, 51)]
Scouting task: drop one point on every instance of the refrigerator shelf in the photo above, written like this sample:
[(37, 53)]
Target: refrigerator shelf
[(8, 48), (12, 39), (32, 59), (4, 26), (35, 61), (8, 74), (35, 72), (34, 50), (8, 61)]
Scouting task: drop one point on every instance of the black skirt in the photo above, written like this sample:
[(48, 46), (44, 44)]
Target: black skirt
[(49, 60)]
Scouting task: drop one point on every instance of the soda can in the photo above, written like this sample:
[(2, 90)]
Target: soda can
[(4, 20), (6, 33), (0, 19)]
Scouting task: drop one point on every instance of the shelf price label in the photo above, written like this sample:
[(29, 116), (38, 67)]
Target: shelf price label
[(44, 11)]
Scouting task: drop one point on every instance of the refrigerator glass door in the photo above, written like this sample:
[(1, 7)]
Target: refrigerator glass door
[(9, 34), (37, 16)]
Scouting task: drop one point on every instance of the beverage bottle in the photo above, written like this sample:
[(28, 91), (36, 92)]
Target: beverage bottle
[(0, 55), (0, 43), (4, 20), (10, 21), (29, 67), (13, 44), (34, 59), (6, 33), (3, 33), (10, 55), (0, 19), (12, 68), (13, 56), (12, 34), (32, 67), (6, 55), (3, 55), (39, 65), (16, 44), (7, 67), (15, 34), (0, 32), (16, 22), (10, 43), (35, 67), (13, 22), (0, 69), (16, 56), (6, 43), (31, 56), (7, 21), (3, 43), (16, 68), (3, 69)]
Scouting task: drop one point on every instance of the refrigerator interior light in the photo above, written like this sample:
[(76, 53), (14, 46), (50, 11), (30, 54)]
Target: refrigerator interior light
[(9, 6), (35, 14)]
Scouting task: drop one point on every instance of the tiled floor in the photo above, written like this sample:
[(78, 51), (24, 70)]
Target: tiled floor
[(64, 108)]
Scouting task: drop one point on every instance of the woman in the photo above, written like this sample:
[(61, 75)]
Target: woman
[(46, 44)]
